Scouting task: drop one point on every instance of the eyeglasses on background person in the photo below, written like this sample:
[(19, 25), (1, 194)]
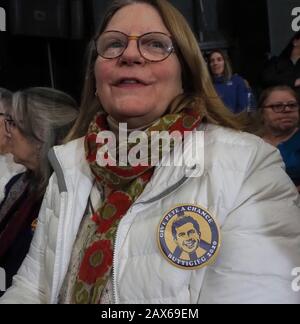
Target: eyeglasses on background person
[(154, 46), (9, 123), (281, 106)]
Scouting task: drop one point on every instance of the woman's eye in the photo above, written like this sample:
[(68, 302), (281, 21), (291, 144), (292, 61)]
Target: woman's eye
[(115, 44), (156, 44)]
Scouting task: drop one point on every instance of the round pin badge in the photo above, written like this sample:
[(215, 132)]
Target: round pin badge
[(189, 237)]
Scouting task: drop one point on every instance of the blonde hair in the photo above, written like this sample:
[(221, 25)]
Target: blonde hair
[(199, 91), (44, 116)]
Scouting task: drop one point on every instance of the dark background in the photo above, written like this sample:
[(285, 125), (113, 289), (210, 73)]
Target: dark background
[(45, 41)]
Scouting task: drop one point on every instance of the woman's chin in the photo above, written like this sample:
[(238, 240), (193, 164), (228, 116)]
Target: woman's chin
[(127, 113)]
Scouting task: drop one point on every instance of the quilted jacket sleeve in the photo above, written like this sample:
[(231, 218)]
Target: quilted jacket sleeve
[(260, 237), (30, 285)]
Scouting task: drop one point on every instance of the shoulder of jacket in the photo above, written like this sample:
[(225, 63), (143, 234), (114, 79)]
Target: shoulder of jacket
[(69, 160), (237, 141), (230, 136), (240, 80), (70, 147), (68, 155)]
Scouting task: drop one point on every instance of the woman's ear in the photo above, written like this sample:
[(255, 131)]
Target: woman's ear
[(8, 135)]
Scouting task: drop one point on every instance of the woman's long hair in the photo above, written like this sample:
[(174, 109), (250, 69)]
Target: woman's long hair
[(44, 116), (227, 65), (198, 89)]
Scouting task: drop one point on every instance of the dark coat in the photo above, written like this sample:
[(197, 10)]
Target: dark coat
[(18, 213), (281, 71)]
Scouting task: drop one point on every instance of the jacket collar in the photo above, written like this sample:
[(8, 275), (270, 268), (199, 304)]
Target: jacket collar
[(173, 170), (68, 161)]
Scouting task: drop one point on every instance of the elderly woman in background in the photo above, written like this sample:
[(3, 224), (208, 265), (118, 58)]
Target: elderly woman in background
[(39, 119), (8, 168), (279, 117), (232, 89), (198, 232)]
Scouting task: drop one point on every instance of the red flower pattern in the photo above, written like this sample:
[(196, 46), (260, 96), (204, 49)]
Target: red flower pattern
[(88, 272)]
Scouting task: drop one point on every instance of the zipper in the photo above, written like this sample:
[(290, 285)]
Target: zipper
[(164, 194), (113, 269), (167, 192)]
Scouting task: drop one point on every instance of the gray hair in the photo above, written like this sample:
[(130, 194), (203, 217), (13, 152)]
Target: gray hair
[(44, 116), (5, 100)]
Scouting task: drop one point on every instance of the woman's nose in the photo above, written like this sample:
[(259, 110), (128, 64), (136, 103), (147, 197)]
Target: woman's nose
[(132, 55)]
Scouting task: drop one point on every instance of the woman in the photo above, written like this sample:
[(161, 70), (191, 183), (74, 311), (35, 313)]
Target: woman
[(39, 118), (233, 90), (279, 114), (8, 168), (133, 234), (285, 69)]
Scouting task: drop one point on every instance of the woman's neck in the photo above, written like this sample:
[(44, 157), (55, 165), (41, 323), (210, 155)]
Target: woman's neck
[(114, 126), (276, 138), (3, 151)]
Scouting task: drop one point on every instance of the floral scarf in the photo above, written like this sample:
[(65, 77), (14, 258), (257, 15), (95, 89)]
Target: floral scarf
[(125, 185)]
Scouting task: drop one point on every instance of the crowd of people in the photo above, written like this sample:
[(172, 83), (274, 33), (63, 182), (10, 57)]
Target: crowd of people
[(76, 231)]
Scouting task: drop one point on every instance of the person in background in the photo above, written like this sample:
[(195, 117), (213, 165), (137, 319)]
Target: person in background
[(104, 232), (232, 89), (39, 118), (8, 168), (285, 69), (279, 120)]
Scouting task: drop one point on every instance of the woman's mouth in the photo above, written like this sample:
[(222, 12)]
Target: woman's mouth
[(130, 83)]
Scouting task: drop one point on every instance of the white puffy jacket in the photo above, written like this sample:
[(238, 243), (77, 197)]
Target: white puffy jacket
[(241, 182), (8, 169)]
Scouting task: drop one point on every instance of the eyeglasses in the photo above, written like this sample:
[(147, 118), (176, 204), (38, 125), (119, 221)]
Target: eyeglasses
[(9, 123), (281, 106), (154, 47)]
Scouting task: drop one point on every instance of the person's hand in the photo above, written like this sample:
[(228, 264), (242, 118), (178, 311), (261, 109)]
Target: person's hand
[(297, 83)]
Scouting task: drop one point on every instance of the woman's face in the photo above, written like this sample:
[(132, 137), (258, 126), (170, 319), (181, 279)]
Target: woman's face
[(283, 122), (131, 89), (217, 64), (24, 150)]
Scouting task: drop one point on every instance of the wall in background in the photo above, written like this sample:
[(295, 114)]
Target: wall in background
[(45, 40)]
